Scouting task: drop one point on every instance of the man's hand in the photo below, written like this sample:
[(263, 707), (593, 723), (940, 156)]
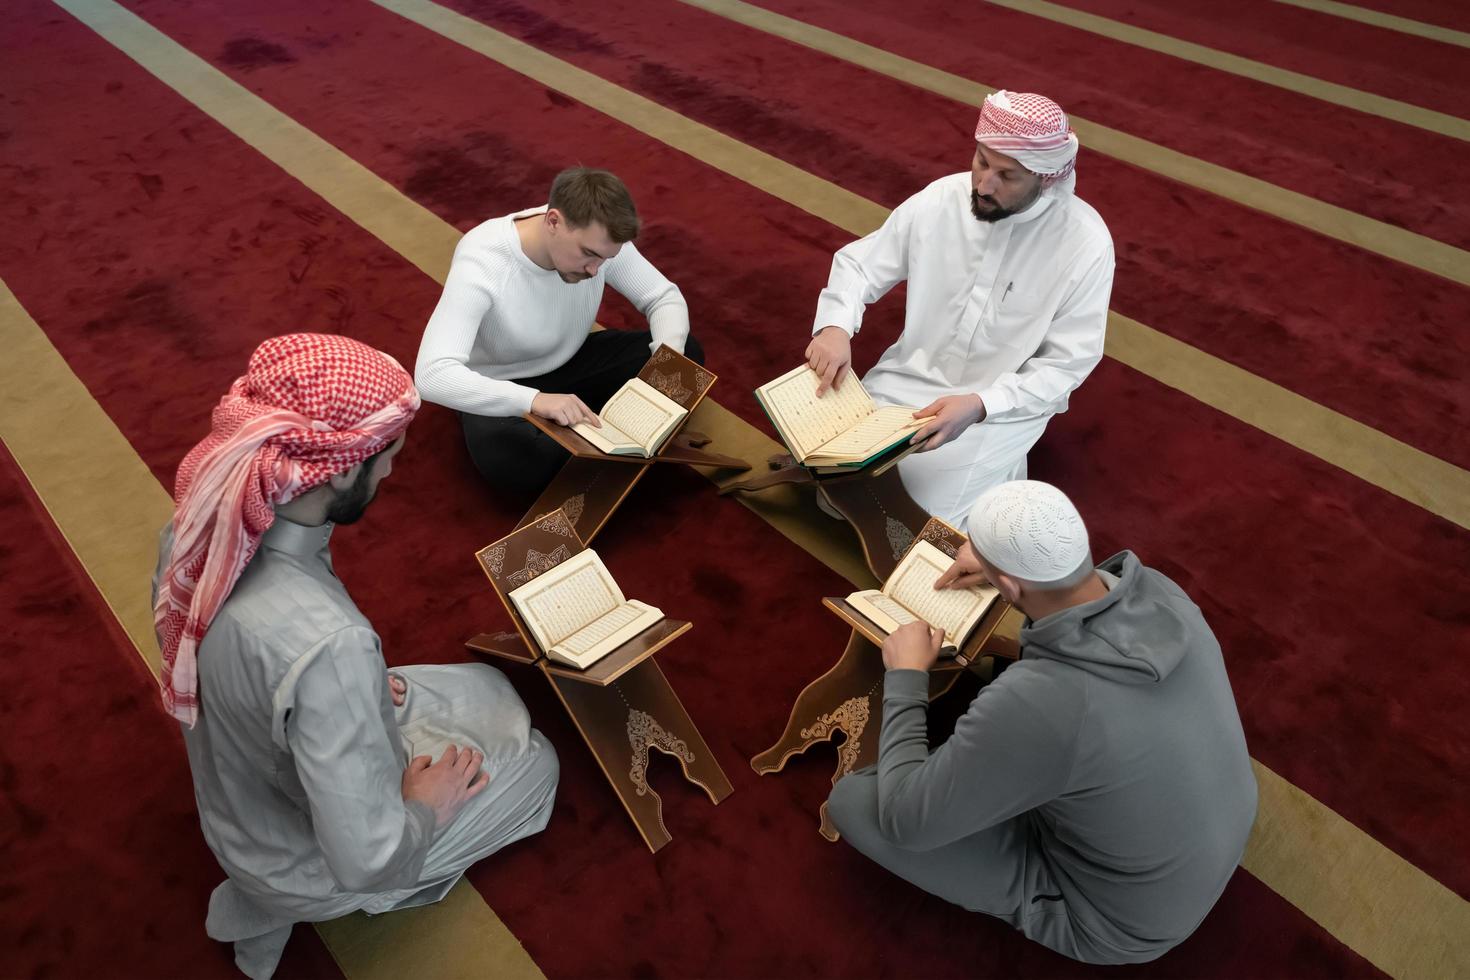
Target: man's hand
[(565, 409), (829, 354), (949, 416), (965, 573), (398, 689), (912, 647), (447, 785)]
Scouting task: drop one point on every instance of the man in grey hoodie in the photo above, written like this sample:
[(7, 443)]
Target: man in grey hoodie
[(1098, 794)]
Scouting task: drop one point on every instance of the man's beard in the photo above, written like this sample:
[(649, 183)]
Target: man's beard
[(999, 213), (349, 505)]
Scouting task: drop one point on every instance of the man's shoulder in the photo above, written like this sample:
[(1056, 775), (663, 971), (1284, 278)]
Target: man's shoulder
[(1083, 221), (489, 247), (277, 602), (488, 241), (1041, 683)]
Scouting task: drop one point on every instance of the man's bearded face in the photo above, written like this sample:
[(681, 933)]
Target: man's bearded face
[(999, 186)]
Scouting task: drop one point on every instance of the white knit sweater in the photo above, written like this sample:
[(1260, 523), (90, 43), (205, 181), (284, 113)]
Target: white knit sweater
[(502, 317)]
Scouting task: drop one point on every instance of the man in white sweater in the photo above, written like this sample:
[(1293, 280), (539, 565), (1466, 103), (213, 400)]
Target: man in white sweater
[(511, 334)]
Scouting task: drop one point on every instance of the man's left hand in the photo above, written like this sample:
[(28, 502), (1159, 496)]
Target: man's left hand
[(912, 647), (398, 688), (948, 417)]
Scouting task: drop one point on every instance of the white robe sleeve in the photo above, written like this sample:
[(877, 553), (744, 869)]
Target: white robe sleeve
[(652, 294), (864, 271), (442, 372), (351, 767), (1072, 347)]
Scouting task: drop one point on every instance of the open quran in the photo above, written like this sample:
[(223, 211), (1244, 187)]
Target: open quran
[(841, 431), (644, 412), (635, 421), (909, 596), (577, 613)]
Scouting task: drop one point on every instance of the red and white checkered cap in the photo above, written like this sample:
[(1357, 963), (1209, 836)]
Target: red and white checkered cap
[(307, 407), (1031, 128)]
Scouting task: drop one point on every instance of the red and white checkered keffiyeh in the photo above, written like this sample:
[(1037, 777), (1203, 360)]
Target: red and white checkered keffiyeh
[(1033, 129), (308, 406)]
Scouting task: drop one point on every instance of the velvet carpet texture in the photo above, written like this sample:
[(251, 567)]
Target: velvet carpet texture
[(156, 250), (105, 873)]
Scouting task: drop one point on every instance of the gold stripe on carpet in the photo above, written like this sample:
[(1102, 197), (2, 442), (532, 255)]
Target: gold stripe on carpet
[(1258, 71), (1399, 919), (1395, 880), (1332, 437), (1375, 236), (1406, 472), (115, 537), (1388, 21)]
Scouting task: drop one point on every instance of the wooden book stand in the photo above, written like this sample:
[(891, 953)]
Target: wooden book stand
[(849, 697), (622, 705), (591, 485)]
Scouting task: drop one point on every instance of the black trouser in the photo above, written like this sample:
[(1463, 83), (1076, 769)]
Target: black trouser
[(512, 453)]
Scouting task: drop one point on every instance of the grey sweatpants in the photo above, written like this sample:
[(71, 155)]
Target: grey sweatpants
[(994, 871)]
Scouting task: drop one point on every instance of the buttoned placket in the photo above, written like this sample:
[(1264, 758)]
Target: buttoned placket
[(984, 300)]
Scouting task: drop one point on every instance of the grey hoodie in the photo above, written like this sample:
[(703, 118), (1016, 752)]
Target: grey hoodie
[(1114, 743)]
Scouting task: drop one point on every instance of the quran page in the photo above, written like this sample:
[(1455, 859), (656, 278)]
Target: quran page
[(871, 435), (609, 439), (806, 421), (881, 609), (559, 602), (642, 412), (956, 611), (605, 634), (635, 420)]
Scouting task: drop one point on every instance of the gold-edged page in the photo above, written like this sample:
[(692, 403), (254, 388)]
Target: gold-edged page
[(608, 632), (609, 438), (871, 435), (953, 610), (559, 602), (881, 609), (806, 421), (641, 412)]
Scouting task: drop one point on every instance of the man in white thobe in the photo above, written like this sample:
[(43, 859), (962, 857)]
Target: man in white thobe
[(325, 782), (1009, 275)]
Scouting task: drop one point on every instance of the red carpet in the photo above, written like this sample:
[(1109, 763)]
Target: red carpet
[(105, 872), (1387, 351), (1389, 63), (165, 250)]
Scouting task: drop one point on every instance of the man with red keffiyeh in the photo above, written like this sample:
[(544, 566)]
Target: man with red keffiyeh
[(325, 783), (1009, 275)]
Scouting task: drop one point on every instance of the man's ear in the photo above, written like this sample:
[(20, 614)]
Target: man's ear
[(554, 218), (1009, 588), (342, 482)]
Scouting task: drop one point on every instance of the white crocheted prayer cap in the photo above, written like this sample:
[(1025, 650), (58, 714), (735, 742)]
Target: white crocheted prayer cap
[(1029, 529)]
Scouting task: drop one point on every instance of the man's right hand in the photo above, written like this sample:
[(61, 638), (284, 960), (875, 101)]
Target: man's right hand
[(564, 409), (447, 785), (830, 354), (965, 573)]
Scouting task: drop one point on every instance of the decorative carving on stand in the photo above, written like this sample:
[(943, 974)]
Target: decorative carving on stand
[(494, 559), (573, 507), (538, 562), (941, 536), (852, 717), (899, 536), (644, 733)]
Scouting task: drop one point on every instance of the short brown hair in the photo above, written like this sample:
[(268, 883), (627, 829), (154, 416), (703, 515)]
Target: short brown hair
[(585, 195)]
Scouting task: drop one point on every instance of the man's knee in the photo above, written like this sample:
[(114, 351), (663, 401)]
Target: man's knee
[(693, 349), (511, 453), (545, 766)]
